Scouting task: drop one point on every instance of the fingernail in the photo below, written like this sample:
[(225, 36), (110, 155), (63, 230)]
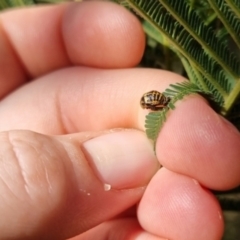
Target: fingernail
[(122, 159)]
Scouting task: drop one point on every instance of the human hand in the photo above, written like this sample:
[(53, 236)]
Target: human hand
[(63, 84)]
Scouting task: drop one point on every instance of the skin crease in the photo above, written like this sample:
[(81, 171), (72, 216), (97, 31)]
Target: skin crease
[(78, 83)]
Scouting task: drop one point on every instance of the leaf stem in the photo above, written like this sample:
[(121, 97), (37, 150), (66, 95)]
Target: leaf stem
[(198, 35), (230, 100), (173, 42), (225, 15), (234, 7)]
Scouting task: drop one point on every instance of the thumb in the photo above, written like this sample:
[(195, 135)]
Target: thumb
[(53, 187)]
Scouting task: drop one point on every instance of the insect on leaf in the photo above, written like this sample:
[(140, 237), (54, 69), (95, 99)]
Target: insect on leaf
[(154, 120)]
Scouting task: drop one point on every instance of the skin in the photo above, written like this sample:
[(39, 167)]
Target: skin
[(69, 91)]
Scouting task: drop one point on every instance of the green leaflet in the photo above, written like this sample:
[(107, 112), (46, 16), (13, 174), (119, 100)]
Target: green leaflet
[(14, 3), (155, 120), (228, 18), (153, 124), (215, 66)]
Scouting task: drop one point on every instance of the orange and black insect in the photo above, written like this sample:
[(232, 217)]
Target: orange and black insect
[(154, 100)]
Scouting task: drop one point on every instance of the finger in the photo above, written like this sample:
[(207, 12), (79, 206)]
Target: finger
[(95, 33), (90, 99), (199, 143), (110, 36), (44, 179), (177, 207), (120, 229)]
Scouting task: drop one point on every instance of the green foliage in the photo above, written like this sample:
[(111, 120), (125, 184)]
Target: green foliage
[(228, 18), (212, 67), (14, 3)]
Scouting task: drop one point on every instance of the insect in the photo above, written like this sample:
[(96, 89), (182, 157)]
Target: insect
[(154, 100)]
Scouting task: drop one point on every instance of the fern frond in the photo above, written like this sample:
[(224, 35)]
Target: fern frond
[(228, 18), (182, 41), (235, 6), (205, 35), (194, 74), (153, 124), (203, 10), (225, 84), (179, 90), (206, 86)]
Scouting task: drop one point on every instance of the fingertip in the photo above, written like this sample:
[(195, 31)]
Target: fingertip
[(38, 40), (31, 44), (197, 142), (175, 200), (102, 34)]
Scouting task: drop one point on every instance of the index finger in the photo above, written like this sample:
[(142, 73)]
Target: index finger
[(206, 145)]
